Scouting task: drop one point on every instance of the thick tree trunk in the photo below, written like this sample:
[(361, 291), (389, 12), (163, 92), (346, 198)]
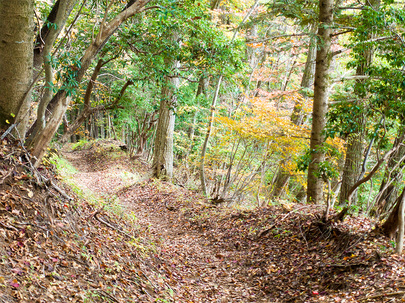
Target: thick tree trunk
[(163, 153), (321, 93), (16, 56)]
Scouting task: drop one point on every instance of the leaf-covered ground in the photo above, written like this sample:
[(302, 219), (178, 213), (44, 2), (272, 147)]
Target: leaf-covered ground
[(166, 243)]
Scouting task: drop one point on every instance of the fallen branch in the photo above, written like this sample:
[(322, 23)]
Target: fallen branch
[(95, 213), (389, 294), (111, 226), (267, 230), (57, 188), (104, 294), (8, 227)]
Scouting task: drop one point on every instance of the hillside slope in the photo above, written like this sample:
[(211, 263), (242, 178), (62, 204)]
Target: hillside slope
[(137, 239)]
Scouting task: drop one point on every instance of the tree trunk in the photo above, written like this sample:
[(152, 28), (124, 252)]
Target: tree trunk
[(42, 141), (283, 176), (390, 226), (393, 174), (163, 153), (400, 237), (207, 136), (60, 19), (352, 167), (321, 93), (354, 148), (48, 34), (16, 44)]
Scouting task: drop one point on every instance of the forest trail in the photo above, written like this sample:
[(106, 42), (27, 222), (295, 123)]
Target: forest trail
[(203, 272), (206, 253)]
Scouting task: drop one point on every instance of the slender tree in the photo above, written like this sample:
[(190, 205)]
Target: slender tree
[(321, 93)]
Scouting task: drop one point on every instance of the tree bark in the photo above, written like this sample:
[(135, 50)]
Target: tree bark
[(162, 165), (163, 153), (400, 238), (16, 44), (390, 225), (321, 94), (352, 166)]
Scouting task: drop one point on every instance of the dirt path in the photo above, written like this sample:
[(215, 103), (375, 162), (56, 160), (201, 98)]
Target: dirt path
[(198, 270)]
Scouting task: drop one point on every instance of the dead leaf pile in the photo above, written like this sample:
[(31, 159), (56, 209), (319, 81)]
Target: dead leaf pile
[(268, 254), (55, 249)]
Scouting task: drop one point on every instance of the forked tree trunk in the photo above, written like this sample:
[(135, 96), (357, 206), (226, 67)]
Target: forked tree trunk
[(48, 34), (16, 56), (321, 93), (42, 141)]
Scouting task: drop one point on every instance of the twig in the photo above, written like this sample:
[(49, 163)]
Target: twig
[(6, 176), (389, 294), (8, 131), (266, 231), (57, 188), (104, 294), (303, 236), (112, 227), (8, 227), (95, 213)]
